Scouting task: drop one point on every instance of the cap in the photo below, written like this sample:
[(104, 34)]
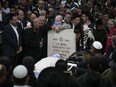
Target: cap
[(20, 72), (97, 45)]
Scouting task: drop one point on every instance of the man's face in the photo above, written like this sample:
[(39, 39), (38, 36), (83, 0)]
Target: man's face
[(90, 4), (42, 19), (21, 15), (41, 4), (14, 21), (110, 9), (100, 15), (30, 2), (79, 11), (84, 17), (22, 2), (37, 23), (12, 10), (68, 17), (33, 16), (51, 11), (77, 20), (52, 1)]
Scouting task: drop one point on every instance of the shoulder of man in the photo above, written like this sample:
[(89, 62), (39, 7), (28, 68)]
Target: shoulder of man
[(107, 72)]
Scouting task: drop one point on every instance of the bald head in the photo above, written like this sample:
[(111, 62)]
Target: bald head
[(42, 18)]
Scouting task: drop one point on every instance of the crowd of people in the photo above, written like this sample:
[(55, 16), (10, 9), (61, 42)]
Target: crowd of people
[(24, 25)]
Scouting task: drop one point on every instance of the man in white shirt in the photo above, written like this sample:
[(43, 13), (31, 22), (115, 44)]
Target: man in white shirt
[(12, 42)]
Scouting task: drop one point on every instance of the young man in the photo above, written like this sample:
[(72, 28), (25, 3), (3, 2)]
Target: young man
[(12, 42), (88, 36)]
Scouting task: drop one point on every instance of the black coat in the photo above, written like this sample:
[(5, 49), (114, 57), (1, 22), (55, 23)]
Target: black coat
[(91, 79), (35, 43), (10, 45)]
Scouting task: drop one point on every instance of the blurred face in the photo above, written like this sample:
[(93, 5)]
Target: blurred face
[(68, 11), (90, 4), (52, 1), (58, 20), (96, 8), (44, 13), (51, 11), (12, 10), (6, 4), (100, 16), (30, 2), (68, 17), (110, 9), (33, 16), (29, 14), (84, 17), (22, 2), (79, 11), (110, 25), (99, 27), (106, 17), (77, 20), (42, 19), (14, 21), (21, 15), (37, 23), (41, 4)]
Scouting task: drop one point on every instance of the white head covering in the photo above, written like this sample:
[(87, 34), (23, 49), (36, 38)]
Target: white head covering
[(97, 45), (20, 71)]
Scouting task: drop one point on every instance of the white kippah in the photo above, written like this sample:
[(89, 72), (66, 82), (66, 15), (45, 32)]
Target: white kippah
[(97, 45), (20, 71)]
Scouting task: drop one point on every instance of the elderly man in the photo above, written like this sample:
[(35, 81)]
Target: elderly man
[(35, 39), (59, 25)]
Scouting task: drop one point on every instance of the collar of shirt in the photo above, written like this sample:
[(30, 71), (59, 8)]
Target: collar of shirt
[(13, 26)]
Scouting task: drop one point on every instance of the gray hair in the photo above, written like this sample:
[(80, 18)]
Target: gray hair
[(113, 20)]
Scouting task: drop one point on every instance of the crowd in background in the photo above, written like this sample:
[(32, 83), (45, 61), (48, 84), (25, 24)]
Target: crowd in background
[(24, 25)]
